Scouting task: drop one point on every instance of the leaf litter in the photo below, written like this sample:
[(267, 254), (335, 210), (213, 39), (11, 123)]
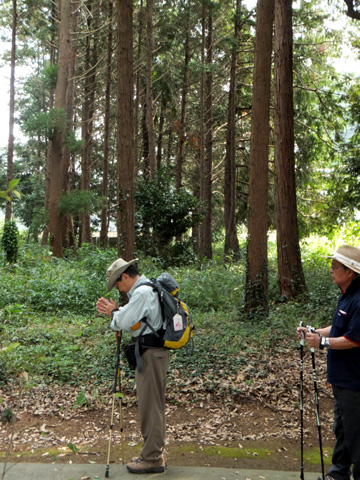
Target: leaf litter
[(254, 408)]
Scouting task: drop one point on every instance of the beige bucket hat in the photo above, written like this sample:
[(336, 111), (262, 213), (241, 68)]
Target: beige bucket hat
[(348, 256), (116, 269)]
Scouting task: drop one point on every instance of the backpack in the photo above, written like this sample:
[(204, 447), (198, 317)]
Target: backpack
[(177, 329)]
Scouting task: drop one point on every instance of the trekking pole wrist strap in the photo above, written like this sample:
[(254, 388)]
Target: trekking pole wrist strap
[(324, 342)]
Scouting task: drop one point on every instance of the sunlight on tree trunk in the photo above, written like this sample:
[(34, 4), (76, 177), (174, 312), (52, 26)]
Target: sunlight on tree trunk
[(57, 143), (10, 154), (256, 293), (126, 170), (231, 240), (290, 272)]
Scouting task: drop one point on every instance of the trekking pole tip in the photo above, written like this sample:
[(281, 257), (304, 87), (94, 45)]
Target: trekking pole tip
[(107, 471)]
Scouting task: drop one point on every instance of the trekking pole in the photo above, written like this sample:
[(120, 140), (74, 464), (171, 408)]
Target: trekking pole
[(302, 404), (117, 377), (311, 330), (121, 415)]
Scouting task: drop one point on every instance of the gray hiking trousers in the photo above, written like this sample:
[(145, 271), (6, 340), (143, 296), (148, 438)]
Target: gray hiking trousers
[(150, 387)]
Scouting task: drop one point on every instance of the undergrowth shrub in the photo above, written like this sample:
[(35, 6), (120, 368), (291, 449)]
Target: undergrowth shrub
[(47, 309)]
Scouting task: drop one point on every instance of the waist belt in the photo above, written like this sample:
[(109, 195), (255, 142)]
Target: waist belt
[(150, 340)]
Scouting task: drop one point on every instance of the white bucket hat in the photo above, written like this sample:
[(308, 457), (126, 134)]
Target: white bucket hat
[(348, 256), (116, 269)]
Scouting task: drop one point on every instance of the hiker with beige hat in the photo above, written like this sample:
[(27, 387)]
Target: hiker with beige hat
[(151, 381), (342, 341)]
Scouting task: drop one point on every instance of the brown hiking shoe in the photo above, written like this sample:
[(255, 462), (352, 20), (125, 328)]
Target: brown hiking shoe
[(144, 466)]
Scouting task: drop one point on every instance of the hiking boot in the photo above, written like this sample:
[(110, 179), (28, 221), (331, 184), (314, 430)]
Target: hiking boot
[(144, 466)]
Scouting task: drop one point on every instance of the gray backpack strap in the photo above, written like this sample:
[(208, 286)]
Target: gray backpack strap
[(137, 347)]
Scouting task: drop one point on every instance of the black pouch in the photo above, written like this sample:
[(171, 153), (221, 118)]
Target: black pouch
[(129, 351)]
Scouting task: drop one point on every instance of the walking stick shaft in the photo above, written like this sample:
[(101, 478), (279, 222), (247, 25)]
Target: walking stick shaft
[(302, 404), (116, 380), (317, 412)]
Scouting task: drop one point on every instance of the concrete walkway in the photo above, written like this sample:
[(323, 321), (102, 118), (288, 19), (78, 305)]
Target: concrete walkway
[(42, 471)]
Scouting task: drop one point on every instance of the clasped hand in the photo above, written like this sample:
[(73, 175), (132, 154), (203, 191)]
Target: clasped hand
[(312, 339), (105, 306)]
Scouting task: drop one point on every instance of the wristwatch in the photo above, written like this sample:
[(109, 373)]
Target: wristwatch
[(324, 342)]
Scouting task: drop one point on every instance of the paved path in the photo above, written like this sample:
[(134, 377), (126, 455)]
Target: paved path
[(42, 471)]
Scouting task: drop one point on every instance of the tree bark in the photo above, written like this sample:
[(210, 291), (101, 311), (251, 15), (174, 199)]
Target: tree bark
[(88, 113), (181, 133), (149, 88), (46, 231), (68, 222), (125, 194), (256, 297), (290, 272), (58, 141), (206, 234), (138, 87), (10, 154), (105, 180), (351, 10), (231, 240)]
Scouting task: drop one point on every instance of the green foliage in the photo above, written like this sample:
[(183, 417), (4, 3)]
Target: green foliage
[(77, 202), (163, 213), (50, 327), (11, 189), (8, 416), (10, 240)]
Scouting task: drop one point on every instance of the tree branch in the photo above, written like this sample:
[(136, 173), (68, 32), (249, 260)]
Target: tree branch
[(351, 12)]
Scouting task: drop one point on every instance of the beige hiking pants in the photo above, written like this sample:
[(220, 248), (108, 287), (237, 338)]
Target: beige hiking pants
[(150, 387)]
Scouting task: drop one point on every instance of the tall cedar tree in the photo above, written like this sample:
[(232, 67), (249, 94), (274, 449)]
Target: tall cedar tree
[(184, 100), (231, 239), (67, 220), (290, 273), (57, 143), (10, 155), (88, 110), (125, 154), (149, 89), (256, 296), (105, 180), (46, 231), (207, 158)]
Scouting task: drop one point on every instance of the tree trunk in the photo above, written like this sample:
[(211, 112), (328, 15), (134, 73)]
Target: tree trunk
[(104, 222), (68, 223), (58, 141), (160, 137), (88, 113), (256, 298), (126, 209), (149, 88), (10, 155), (290, 272), (206, 234), (181, 137), (231, 240), (46, 231), (138, 87)]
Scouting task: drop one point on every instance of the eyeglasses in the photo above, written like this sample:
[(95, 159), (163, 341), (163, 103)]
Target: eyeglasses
[(119, 279)]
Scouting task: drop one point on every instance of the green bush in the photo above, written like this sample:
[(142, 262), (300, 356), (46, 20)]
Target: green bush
[(10, 240)]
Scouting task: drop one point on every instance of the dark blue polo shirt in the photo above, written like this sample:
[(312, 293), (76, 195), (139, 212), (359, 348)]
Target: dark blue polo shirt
[(344, 365)]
